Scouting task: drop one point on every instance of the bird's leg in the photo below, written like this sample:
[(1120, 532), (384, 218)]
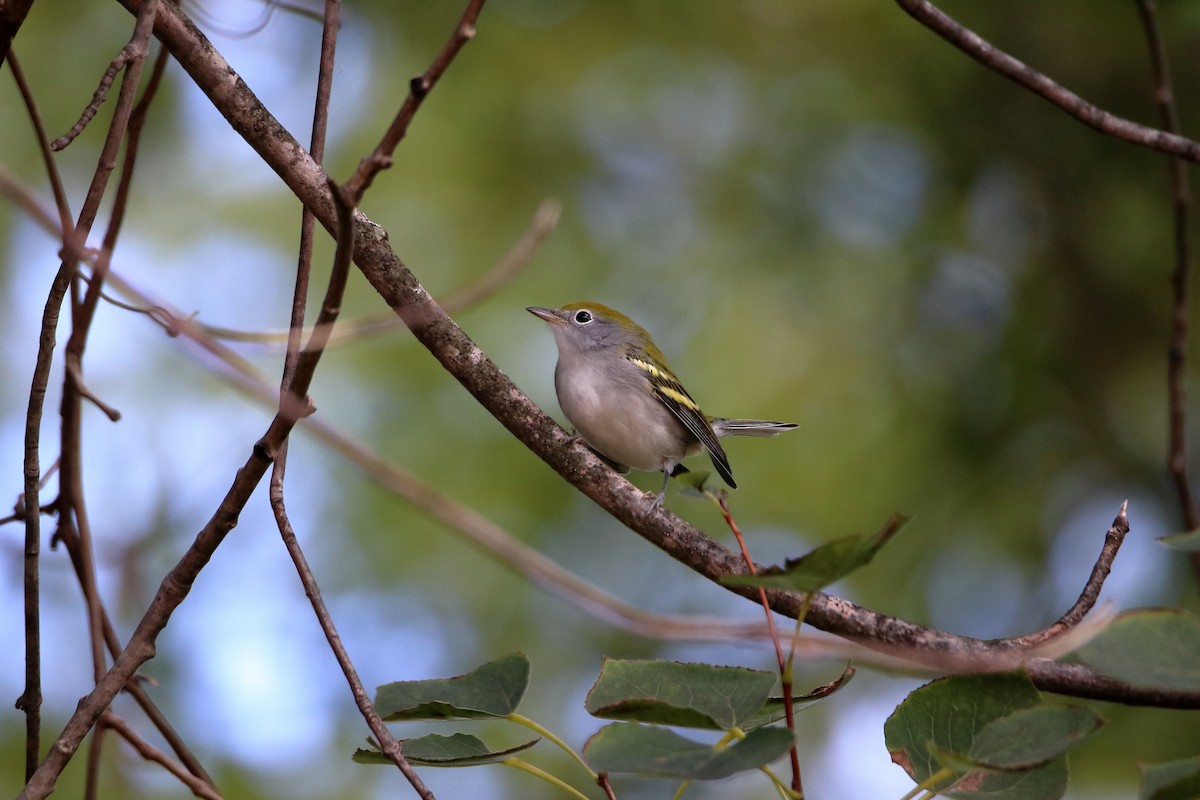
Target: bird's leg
[(662, 495)]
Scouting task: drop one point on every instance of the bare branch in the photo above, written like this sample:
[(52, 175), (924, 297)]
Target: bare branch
[(199, 787), (128, 54), (1181, 203), (1017, 71), (471, 367), (1091, 589), (176, 585), (473, 293), (79, 386), (296, 361), (39, 129), (73, 511), (510, 265), (419, 88)]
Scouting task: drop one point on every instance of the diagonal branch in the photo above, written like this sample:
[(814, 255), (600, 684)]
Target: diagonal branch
[(318, 340), (1026, 76), (418, 88), (178, 582), (469, 365)]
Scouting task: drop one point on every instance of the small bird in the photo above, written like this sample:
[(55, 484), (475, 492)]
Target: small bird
[(618, 392)]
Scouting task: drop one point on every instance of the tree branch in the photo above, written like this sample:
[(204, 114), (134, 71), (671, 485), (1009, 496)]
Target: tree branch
[(1022, 74), (178, 582), (530, 425), (1181, 204)]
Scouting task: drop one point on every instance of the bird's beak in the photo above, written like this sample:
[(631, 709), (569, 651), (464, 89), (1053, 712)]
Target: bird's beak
[(548, 314)]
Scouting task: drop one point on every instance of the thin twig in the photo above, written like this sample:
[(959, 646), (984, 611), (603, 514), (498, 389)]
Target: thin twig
[(73, 513), (387, 743), (1181, 204), (892, 642), (79, 386), (606, 786), (176, 585), (129, 53), (504, 270), (134, 688), (468, 364), (1091, 589), (418, 89), (39, 129), (461, 299), (785, 677), (30, 701), (1093, 116), (292, 362), (149, 752), (101, 261)]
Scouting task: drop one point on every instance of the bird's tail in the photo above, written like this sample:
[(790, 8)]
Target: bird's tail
[(750, 427)]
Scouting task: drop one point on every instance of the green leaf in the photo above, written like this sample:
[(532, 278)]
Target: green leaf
[(1154, 648), (493, 690), (1047, 782), (457, 750), (825, 564), (697, 483), (651, 750), (1171, 780), (1188, 540), (948, 715), (671, 693), (1029, 737), (773, 709)]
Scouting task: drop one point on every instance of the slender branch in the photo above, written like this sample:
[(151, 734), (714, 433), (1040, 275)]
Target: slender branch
[(785, 671), (1017, 71), (199, 787), (73, 510), (39, 129), (1091, 590), (474, 292), (1181, 204), (387, 743), (419, 89), (129, 53), (177, 583), (292, 362), (504, 270), (76, 377), (30, 701), (134, 688), (472, 368)]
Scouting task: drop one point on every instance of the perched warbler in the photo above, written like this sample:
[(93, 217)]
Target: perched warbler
[(618, 392)]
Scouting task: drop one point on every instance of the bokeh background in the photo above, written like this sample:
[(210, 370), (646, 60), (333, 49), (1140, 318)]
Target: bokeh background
[(824, 214)]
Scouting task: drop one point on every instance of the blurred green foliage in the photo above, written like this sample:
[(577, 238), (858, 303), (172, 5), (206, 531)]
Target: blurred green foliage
[(960, 293)]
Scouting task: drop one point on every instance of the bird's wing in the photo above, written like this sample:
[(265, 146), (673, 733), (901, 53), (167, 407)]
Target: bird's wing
[(685, 409)]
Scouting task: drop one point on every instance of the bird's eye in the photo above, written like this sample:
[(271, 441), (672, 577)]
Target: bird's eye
[(583, 317)]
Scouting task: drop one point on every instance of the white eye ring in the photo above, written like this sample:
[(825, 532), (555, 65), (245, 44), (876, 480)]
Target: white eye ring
[(582, 317)]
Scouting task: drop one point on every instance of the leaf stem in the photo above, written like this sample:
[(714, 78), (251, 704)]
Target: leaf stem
[(521, 719), (537, 772)]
